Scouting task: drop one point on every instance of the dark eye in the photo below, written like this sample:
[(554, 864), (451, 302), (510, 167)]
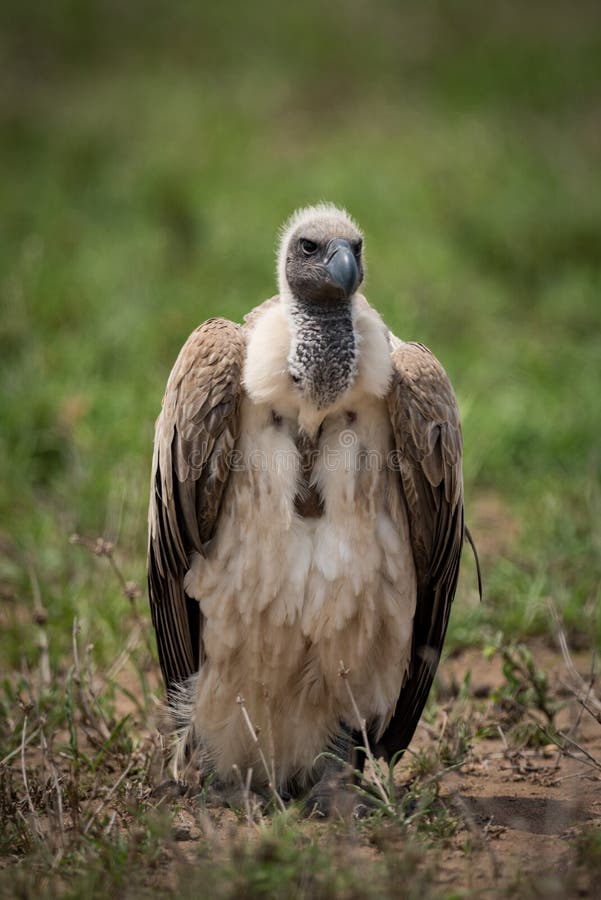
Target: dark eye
[(357, 248), (308, 247)]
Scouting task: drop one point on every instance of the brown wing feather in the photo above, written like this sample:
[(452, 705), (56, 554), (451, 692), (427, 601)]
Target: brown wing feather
[(195, 437), (427, 432)]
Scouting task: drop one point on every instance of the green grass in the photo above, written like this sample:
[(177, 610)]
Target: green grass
[(144, 185), (149, 155)]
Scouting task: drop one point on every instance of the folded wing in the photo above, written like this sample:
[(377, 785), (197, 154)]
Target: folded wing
[(195, 437), (427, 433)]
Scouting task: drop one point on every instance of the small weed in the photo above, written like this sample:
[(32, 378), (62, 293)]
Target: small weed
[(526, 706), (588, 851)]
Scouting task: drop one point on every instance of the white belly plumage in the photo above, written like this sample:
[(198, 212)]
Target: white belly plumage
[(286, 599)]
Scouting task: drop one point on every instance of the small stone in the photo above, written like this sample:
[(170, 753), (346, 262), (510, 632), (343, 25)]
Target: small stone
[(185, 833)]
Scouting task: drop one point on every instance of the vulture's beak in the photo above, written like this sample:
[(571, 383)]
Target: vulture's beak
[(341, 266)]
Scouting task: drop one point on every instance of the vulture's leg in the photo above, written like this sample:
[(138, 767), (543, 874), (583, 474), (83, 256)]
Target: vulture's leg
[(333, 794)]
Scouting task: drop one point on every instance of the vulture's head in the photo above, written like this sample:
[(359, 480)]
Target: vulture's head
[(320, 267), (320, 258)]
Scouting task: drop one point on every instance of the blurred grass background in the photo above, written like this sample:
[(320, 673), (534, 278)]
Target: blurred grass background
[(149, 153)]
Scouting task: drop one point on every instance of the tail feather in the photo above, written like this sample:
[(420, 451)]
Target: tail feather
[(470, 541)]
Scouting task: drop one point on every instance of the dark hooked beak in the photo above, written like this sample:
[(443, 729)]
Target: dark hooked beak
[(341, 266)]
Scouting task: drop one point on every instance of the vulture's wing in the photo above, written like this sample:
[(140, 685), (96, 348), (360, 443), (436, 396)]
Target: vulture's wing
[(427, 434), (194, 441)]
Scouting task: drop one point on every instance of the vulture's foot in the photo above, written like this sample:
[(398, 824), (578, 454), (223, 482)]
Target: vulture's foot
[(172, 790), (336, 796), (335, 793), (332, 796), (222, 794)]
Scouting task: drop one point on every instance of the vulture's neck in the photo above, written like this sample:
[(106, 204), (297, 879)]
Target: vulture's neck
[(323, 359)]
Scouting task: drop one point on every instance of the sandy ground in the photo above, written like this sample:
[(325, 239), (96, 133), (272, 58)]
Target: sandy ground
[(524, 805)]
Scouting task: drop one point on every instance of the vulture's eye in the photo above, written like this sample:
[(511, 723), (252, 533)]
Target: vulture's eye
[(308, 247), (357, 248)]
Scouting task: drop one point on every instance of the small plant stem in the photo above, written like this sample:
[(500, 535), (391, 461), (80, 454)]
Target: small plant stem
[(101, 805), (270, 741), (81, 683), (40, 616), (34, 816), (17, 750), (344, 673), (245, 788), (47, 752), (582, 691), (255, 738)]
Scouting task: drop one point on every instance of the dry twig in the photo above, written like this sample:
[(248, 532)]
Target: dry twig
[(37, 828), (575, 682), (32, 734), (245, 788), (40, 617), (98, 722), (48, 755), (255, 738), (343, 671), (104, 802)]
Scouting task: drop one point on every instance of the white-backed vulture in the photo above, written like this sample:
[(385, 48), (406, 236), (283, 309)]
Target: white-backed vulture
[(306, 511)]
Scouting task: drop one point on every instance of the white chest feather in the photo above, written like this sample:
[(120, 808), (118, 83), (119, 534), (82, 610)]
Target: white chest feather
[(287, 598)]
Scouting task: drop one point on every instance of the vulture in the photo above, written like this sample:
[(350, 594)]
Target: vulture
[(305, 526)]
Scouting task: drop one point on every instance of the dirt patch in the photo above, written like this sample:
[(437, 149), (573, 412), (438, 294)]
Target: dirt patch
[(526, 804), (538, 815)]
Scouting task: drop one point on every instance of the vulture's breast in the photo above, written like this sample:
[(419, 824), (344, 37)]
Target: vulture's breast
[(311, 562)]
